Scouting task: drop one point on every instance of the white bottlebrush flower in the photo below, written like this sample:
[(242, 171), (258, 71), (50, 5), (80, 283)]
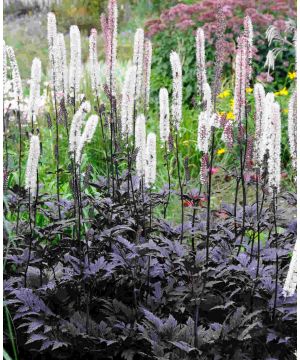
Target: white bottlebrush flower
[(109, 25), (32, 165), (35, 88), (200, 59), (292, 128), (4, 65), (138, 56), (265, 137), (204, 131), (164, 114), (94, 65), (128, 101), (76, 125), (259, 96), (248, 33), (150, 169), (86, 136), (75, 71), (51, 30), (63, 66), (53, 53), (177, 89), (207, 98), (17, 83), (147, 72), (140, 144), (290, 283), (241, 79), (274, 148)]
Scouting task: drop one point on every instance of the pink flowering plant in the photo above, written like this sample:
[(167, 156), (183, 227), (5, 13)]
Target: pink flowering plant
[(176, 27)]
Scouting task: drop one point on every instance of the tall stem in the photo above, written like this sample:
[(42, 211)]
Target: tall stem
[(169, 180), (258, 224), (180, 186), (103, 138), (277, 260), (20, 162), (30, 241), (5, 128), (193, 221), (209, 195)]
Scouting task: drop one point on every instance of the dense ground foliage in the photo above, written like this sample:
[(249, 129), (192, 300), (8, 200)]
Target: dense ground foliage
[(118, 245)]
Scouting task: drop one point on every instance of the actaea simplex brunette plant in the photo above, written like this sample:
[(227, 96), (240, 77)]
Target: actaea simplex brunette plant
[(128, 129)]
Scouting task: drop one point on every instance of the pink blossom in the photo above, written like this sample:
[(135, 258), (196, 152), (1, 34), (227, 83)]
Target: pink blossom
[(264, 77)]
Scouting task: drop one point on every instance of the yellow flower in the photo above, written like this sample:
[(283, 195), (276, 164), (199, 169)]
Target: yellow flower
[(249, 90), (292, 75), (220, 113), (282, 92), (232, 104), (224, 94), (221, 151), (285, 111), (230, 116)]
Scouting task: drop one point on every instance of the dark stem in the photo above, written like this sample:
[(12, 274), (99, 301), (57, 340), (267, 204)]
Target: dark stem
[(209, 195), (36, 199), (258, 223), (169, 180), (20, 163), (193, 221), (111, 158), (104, 139), (30, 241), (57, 156), (235, 205), (180, 186), (150, 211), (277, 259), (242, 177)]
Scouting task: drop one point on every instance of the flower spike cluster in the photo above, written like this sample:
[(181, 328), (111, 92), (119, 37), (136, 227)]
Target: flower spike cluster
[(4, 64), (200, 58), (164, 114), (75, 62), (86, 136), (204, 132), (62, 65), (93, 58), (17, 83), (150, 168), (35, 86), (76, 125), (128, 102), (109, 26), (177, 89), (241, 79), (32, 166), (227, 135), (140, 143), (147, 72), (268, 141), (292, 127), (138, 59), (204, 169), (259, 96)]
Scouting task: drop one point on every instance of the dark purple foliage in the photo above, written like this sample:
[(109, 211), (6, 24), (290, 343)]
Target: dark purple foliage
[(127, 294)]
